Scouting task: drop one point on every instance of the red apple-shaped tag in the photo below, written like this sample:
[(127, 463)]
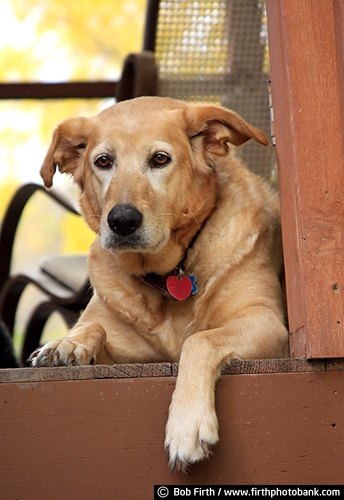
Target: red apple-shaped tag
[(179, 288)]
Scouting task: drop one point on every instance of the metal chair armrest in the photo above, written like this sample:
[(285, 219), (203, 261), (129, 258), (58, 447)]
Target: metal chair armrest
[(12, 217)]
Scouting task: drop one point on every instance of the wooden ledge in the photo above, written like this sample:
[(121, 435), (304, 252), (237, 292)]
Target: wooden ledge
[(98, 431), (141, 370)]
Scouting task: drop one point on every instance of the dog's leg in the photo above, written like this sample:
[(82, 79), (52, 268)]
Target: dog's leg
[(192, 424)]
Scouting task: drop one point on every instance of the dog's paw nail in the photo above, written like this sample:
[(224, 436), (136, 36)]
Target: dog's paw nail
[(34, 355), (205, 448), (180, 466), (56, 358), (32, 359), (71, 359), (173, 465), (177, 465)]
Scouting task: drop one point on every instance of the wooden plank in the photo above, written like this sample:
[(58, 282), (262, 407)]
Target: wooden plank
[(140, 370), (103, 438), (306, 52)]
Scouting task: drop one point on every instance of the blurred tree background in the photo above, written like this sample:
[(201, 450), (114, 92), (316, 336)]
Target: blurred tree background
[(54, 41)]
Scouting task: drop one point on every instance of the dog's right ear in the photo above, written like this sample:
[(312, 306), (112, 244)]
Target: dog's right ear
[(66, 149)]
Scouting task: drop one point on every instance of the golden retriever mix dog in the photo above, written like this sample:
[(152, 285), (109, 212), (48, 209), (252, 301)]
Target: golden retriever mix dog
[(186, 263)]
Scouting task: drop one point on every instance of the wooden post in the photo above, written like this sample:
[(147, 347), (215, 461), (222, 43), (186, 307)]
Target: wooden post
[(307, 75)]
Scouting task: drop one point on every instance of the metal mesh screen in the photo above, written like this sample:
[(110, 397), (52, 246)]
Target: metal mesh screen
[(216, 52)]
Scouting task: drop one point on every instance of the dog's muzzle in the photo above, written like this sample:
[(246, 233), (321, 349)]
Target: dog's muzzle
[(124, 219), (125, 229)]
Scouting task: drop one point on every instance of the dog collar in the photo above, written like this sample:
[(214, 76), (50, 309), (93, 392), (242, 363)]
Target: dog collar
[(176, 286)]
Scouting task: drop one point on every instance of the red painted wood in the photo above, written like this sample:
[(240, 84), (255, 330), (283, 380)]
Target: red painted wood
[(103, 438), (306, 53)]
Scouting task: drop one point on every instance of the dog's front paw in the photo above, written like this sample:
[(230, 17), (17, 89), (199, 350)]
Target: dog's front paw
[(190, 431), (61, 352)]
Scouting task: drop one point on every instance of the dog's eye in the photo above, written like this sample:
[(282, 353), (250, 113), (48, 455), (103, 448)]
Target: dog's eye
[(160, 159), (103, 162)]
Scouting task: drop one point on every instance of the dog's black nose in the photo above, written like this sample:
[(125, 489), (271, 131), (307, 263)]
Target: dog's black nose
[(124, 219)]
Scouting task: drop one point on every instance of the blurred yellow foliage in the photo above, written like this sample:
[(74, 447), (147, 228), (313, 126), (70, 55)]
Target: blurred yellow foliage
[(89, 38), (81, 238)]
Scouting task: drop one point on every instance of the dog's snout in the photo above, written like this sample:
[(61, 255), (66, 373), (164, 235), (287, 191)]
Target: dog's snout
[(124, 219)]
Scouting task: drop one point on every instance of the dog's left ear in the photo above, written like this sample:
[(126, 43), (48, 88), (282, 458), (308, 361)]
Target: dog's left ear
[(219, 126), (68, 143)]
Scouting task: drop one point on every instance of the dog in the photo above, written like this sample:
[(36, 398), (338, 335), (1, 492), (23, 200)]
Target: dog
[(187, 260)]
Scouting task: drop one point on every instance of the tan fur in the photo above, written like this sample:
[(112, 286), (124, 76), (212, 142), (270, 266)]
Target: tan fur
[(236, 257)]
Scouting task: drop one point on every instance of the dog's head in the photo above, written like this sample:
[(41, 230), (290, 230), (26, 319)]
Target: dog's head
[(147, 169)]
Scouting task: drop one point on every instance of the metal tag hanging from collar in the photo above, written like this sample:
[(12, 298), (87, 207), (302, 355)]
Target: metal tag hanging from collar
[(180, 286)]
